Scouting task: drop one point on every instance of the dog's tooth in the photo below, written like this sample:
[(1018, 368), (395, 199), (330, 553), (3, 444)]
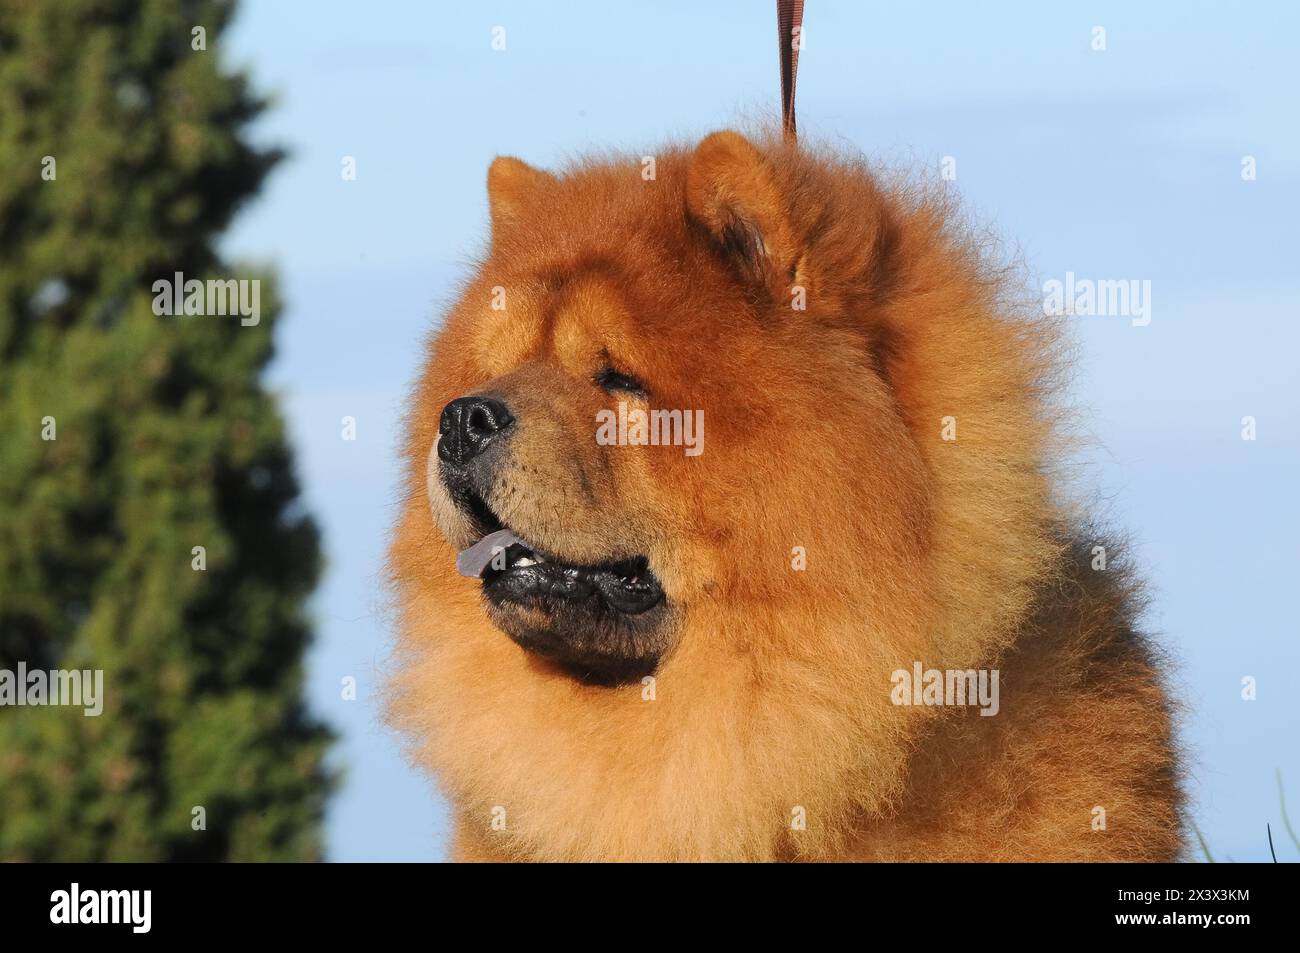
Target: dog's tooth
[(525, 561)]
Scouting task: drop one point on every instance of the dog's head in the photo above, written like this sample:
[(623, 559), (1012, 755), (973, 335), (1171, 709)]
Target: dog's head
[(656, 398)]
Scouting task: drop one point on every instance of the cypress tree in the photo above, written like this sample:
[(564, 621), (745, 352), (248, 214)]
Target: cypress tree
[(150, 525)]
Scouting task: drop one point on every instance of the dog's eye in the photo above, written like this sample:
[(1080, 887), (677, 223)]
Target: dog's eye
[(618, 382)]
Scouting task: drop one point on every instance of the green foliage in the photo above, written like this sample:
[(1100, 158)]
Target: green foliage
[(165, 440)]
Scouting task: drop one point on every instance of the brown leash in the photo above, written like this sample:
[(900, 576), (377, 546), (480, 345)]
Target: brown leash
[(789, 34)]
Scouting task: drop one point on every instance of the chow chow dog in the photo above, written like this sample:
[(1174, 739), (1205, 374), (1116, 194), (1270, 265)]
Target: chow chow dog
[(743, 644)]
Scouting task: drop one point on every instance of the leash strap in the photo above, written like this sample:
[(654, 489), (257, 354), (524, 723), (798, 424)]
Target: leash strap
[(789, 30)]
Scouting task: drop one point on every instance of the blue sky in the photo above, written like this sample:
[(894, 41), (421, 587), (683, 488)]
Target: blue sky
[(1117, 164)]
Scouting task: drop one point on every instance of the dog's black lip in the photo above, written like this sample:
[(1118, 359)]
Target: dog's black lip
[(626, 586)]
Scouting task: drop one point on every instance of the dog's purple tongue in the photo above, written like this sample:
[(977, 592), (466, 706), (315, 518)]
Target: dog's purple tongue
[(471, 562)]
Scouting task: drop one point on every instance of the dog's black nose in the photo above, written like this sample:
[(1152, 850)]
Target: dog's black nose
[(468, 425)]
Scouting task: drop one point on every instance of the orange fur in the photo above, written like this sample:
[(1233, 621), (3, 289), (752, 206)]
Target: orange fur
[(822, 431)]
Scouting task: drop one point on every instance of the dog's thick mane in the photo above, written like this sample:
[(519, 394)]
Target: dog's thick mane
[(960, 341), (784, 709)]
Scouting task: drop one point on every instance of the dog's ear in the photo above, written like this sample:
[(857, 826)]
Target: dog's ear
[(731, 191), (513, 185)]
